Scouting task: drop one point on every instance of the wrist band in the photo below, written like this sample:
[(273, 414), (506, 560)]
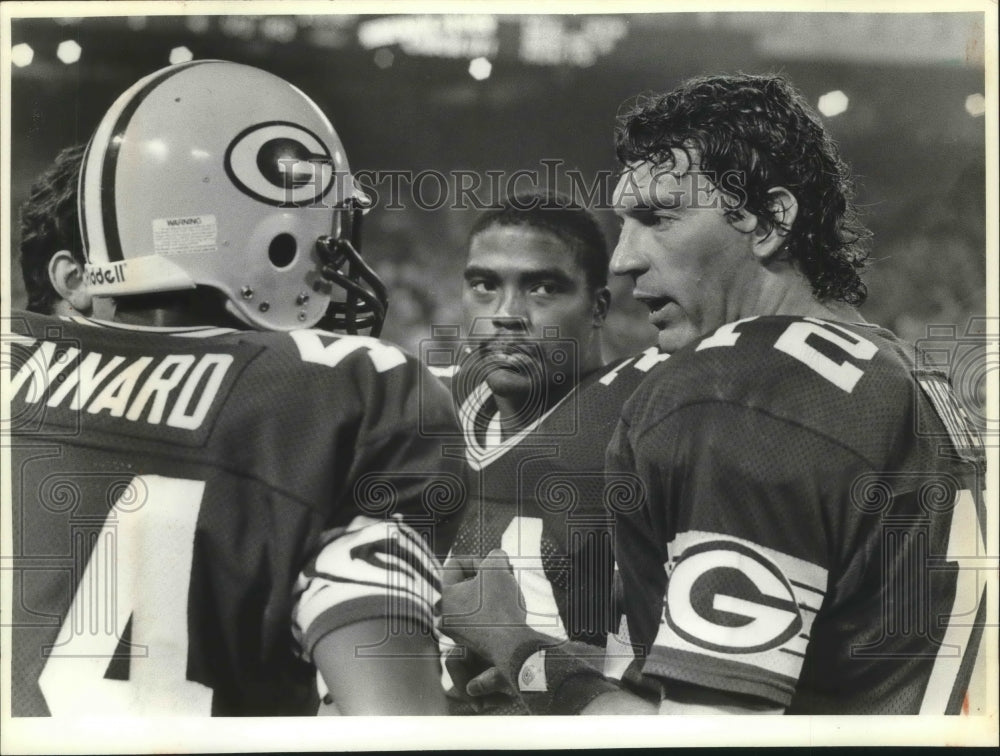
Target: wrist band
[(573, 682), (553, 681)]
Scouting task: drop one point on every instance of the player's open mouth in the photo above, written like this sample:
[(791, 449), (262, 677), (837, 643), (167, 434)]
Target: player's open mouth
[(659, 307)]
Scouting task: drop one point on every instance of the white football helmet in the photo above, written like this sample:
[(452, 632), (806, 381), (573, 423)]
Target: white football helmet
[(216, 174)]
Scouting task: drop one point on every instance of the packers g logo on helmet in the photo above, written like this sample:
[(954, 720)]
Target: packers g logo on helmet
[(222, 176), (280, 163)]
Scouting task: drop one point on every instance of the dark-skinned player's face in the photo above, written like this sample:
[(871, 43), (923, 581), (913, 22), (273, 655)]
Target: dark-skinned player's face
[(525, 300)]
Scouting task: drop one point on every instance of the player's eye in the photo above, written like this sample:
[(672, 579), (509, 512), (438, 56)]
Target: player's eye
[(653, 218), (480, 286), (546, 288)]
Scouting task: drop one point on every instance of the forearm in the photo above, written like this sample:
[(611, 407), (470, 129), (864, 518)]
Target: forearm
[(366, 625), (576, 689), (685, 698), (371, 669), (619, 702), (567, 679)]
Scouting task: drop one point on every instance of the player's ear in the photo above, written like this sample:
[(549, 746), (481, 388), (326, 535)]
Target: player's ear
[(602, 302), (67, 277), (784, 209)]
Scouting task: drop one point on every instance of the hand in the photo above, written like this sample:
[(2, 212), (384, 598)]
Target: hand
[(456, 569), (463, 666), (489, 683), (486, 613), (477, 683)]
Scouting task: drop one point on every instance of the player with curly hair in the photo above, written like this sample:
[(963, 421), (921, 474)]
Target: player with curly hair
[(52, 257), (810, 484), (773, 140)]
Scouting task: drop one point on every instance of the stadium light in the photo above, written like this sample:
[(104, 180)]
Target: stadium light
[(975, 105), (180, 55), (384, 58), (480, 69), (21, 55), (68, 51), (279, 28), (833, 103), (198, 24)]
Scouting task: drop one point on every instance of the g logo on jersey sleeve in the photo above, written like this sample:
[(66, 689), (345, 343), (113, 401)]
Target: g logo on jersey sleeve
[(729, 598), (280, 163), (738, 602)]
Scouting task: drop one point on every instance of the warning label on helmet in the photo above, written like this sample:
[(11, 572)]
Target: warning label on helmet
[(194, 233)]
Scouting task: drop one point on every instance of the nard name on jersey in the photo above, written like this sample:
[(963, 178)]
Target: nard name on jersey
[(136, 388), (132, 440)]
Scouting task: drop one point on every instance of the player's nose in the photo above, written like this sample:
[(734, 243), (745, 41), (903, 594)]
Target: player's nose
[(510, 324), (627, 258), (488, 327), (512, 312)]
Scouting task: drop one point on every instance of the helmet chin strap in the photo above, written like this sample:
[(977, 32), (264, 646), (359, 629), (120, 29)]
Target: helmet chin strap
[(367, 299)]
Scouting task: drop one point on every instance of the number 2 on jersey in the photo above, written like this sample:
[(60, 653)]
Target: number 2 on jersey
[(795, 342), (139, 570)]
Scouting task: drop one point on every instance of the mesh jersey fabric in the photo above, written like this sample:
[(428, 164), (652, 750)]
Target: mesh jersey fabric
[(797, 538), (545, 497), (205, 476)]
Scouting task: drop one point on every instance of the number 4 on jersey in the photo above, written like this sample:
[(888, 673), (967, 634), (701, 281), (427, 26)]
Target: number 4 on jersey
[(139, 570), (650, 358)]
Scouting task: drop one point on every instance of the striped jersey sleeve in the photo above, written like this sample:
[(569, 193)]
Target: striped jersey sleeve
[(370, 569)]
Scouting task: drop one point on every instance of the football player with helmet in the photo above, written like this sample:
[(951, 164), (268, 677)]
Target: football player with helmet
[(52, 256), (810, 538), (210, 492), (537, 406)]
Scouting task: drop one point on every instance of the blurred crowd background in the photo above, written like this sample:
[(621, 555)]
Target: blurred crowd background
[(903, 94)]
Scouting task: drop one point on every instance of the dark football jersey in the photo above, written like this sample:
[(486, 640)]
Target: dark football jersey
[(544, 497), (180, 494), (812, 496)]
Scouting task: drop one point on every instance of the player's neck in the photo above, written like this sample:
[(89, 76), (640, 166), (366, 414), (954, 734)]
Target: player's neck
[(791, 294), (175, 310), (158, 318), (511, 410), (517, 412)]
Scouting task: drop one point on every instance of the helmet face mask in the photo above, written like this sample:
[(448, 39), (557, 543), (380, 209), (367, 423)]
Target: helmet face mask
[(221, 175), (367, 299)]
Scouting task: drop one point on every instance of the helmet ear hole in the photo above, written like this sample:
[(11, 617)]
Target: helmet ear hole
[(281, 250)]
